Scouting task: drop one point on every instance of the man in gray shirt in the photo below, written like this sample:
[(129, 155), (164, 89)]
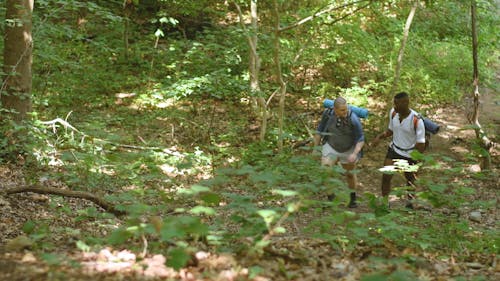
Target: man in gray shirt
[(343, 139)]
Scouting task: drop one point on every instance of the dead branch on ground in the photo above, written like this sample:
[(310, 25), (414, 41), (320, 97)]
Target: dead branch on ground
[(109, 207)]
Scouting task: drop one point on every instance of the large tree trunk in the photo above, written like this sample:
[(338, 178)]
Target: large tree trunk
[(16, 87)]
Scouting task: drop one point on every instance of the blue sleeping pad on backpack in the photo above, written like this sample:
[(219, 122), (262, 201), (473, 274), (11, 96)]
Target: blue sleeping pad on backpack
[(359, 111), (430, 126)]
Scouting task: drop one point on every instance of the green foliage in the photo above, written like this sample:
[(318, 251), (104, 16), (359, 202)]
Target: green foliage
[(188, 57), (438, 72), (177, 258)]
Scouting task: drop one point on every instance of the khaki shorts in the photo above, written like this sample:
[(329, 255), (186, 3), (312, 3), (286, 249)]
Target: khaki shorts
[(331, 156)]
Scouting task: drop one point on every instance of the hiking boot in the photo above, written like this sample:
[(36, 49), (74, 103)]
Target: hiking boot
[(409, 202), (352, 202)]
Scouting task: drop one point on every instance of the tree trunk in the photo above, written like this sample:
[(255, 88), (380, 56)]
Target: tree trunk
[(399, 64), (485, 160), (128, 7), (16, 87), (255, 68), (279, 76), (254, 65)]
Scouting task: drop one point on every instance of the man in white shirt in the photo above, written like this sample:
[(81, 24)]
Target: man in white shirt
[(408, 133)]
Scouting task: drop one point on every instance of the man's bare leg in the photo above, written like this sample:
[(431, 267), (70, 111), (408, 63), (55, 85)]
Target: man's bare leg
[(352, 182), (386, 179), (329, 162)]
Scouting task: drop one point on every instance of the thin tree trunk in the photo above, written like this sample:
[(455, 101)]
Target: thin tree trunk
[(254, 64), (125, 37), (480, 134), (15, 92), (255, 68), (279, 75), (128, 7), (406, 33)]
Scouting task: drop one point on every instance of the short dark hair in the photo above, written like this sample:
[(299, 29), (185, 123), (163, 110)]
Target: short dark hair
[(339, 101), (401, 95)]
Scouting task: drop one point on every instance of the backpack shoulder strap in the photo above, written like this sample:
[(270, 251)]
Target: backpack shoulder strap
[(416, 116)]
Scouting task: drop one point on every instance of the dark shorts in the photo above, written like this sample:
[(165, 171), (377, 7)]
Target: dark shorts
[(391, 154)]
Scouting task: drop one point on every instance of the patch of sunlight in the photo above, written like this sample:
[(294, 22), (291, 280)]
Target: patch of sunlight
[(171, 171), (130, 187), (166, 103)]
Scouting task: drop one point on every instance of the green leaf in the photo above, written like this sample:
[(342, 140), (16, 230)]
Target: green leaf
[(211, 198), (28, 227), (285, 193), (202, 210), (403, 275), (177, 258), (171, 230), (82, 246), (254, 271), (194, 189), (279, 229), (267, 215), (261, 244), (159, 33), (195, 226), (265, 176), (119, 236), (375, 277), (51, 259), (293, 207)]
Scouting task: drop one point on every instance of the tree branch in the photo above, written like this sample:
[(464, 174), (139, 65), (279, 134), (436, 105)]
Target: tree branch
[(325, 11), (67, 193)]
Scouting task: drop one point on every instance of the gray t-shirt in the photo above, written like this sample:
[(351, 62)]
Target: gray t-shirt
[(341, 133)]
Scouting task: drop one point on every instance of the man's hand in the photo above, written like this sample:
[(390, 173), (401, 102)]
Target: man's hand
[(383, 135), (352, 157)]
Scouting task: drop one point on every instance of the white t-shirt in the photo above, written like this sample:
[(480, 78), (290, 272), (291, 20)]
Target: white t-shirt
[(404, 134)]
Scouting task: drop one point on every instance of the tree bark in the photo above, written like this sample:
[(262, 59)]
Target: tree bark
[(279, 75), (255, 69), (486, 143), (399, 64), (18, 45), (254, 64)]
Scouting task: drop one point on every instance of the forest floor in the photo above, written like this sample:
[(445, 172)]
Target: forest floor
[(317, 261)]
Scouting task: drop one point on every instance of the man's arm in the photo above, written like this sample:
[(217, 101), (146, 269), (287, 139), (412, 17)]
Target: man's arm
[(386, 133), (358, 147), (420, 132), (383, 135)]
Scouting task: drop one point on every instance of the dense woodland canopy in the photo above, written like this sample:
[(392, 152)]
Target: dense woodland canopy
[(172, 139)]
